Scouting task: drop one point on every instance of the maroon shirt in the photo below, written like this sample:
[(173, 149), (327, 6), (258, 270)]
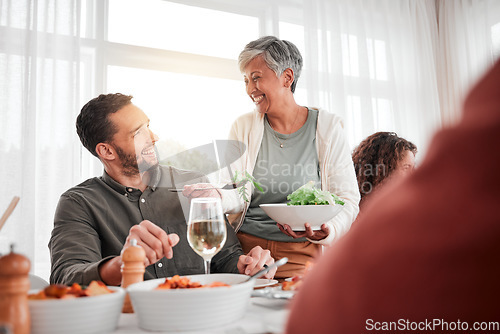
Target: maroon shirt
[(427, 249)]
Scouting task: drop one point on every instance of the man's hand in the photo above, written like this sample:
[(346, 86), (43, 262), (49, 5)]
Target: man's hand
[(308, 233), (155, 242), (255, 260)]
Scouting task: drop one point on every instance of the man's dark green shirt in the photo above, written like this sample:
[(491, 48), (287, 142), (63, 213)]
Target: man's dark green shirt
[(93, 219)]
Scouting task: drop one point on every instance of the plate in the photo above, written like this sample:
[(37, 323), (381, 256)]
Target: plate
[(273, 293), (262, 282), (274, 304), (297, 215)]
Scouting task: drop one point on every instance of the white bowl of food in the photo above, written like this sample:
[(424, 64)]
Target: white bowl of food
[(297, 215), (190, 309), (76, 315)]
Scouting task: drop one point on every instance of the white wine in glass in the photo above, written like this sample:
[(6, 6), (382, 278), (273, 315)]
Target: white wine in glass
[(206, 228)]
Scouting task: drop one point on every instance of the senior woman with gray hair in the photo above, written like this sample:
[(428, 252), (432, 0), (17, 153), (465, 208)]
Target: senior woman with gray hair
[(287, 145)]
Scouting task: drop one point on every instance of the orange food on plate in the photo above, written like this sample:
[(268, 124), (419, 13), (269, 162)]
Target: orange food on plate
[(59, 291), (293, 284), (296, 280), (177, 282)]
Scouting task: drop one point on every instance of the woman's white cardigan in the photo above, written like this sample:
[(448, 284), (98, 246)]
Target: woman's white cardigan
[(336, 166)]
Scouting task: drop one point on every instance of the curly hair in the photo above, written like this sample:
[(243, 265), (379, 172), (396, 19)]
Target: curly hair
[(93, 125), (376, 157)]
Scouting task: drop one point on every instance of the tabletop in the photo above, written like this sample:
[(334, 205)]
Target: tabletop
[(263, 315)]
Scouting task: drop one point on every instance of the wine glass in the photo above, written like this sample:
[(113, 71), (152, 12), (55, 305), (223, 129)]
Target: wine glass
[(206, 228)]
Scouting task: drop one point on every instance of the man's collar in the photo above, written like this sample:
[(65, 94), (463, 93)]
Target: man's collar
[(113, 184), (153, 181)]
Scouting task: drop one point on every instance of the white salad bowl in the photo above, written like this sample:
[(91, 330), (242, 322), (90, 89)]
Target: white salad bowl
[(191, 309), (297, 215)]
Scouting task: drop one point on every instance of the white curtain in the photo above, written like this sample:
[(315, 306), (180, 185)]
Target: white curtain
[(466, 48), (380, 64), (39, 71), (374, 63)]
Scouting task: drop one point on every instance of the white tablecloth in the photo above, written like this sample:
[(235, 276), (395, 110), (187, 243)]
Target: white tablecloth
[(262, 316)]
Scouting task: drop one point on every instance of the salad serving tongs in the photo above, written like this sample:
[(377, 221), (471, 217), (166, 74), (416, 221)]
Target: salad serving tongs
[(228, 186)]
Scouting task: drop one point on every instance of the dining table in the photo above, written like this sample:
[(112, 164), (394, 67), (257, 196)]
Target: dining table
[(263, 315)]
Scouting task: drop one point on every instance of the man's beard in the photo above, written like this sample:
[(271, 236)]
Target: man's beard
[(129, 163)]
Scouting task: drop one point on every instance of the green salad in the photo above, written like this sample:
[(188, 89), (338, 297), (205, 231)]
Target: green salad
[(308, 194)]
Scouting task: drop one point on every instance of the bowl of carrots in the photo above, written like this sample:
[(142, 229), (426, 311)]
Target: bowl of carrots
[(60, 309), (189, 303)]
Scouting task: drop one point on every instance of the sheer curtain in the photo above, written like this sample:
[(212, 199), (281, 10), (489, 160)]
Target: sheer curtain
[(374, 63), (469, 41), (380, 64), (39, 69)]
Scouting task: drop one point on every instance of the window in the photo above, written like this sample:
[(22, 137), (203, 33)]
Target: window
[(172, 100), (350, 58), (383, 115), (354, 117), (173, 77), (156, 24), (377, 59)]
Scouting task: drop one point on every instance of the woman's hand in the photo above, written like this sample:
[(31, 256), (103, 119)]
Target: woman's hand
[(308, 233), (254, 261), (200, 190)]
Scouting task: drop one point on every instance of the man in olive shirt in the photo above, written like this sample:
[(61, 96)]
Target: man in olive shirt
[(95, 221)]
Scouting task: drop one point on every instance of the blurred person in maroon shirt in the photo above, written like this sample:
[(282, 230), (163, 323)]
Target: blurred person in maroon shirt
[(425, 255)]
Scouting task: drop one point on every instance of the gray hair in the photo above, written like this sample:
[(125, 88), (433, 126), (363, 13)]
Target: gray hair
[(278, 55)]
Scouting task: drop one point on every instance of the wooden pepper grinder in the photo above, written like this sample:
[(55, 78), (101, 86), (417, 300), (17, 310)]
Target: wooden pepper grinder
[(14, 287), (132, 270)]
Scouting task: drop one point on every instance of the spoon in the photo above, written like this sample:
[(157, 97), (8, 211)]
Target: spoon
[(266, 268)]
